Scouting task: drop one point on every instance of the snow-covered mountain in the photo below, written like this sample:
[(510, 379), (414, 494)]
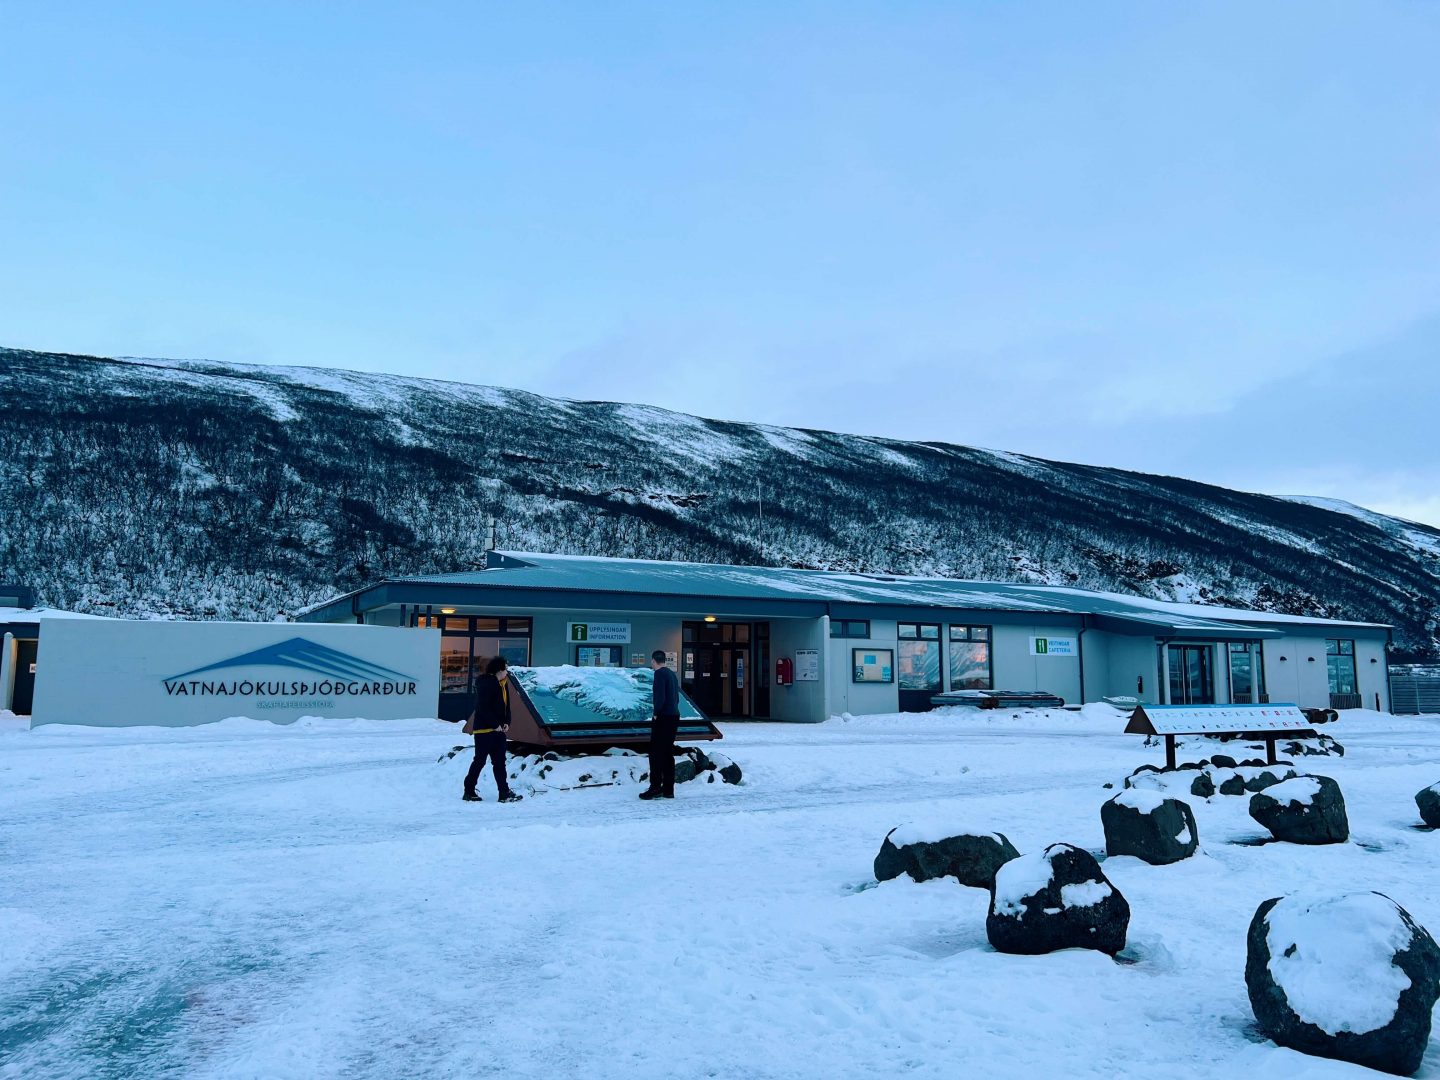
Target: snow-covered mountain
[(198, 489)]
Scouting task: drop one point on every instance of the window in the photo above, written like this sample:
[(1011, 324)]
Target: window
[(849, 628), (971, 666), (1340, 667), (1247, 674), (467, 644), (919, 656), (599, 656), (872, 665)]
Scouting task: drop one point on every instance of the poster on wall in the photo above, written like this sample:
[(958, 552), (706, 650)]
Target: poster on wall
[(873, 665), (807, 665)]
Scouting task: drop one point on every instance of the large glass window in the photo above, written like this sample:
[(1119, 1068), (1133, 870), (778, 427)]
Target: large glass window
[(454, 664), (467, 644), (1190, 677), (919, 665), (1340, 664), (971, 666), (1247, 675)]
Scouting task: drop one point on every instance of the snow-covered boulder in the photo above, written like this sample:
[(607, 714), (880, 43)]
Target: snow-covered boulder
[(1349, 977), (933, 849), (1223, 761), (1320, 746), (1057, 899), (1428, 800), (1304, 810), (1258, 778), (1171, 782), (1227, 780), (728, 770), (1149, 826)]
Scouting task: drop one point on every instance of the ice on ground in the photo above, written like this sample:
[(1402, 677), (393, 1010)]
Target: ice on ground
[(1331, 955)]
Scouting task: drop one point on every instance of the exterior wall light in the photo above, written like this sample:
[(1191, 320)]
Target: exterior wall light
[(1284, 658), (1311, 659), (447, 611), (709, 618)]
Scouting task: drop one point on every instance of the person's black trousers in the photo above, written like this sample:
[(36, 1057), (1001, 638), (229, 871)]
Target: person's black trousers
[(662, 753), (490, 746)]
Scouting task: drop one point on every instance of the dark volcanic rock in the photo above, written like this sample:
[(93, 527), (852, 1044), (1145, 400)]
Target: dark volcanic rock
[(925, 853), (1349, 977), (1428, 800), (1056, 899), (1305, 810), (1149, 826)]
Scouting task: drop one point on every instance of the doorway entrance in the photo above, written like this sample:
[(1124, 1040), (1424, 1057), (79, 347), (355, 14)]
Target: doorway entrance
[(716, 672), (23, 702), (1191, 680)]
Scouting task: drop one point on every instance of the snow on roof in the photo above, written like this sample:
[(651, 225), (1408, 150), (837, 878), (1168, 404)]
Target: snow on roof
[(32, 615), (587, 573)]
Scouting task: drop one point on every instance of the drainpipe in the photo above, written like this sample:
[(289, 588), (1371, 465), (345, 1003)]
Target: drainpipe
[(1080, 648)]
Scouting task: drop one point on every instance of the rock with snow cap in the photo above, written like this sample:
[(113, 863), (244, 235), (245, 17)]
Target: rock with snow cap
[(1348, 976), (1258, 778), (1056, 899), (1428, 802), (1303, 810), (927, 850), (1149, 826)]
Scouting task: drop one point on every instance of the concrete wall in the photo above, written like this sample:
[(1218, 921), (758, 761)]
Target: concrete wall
[(118, 673), (800, 701), (550, 646), (1016, 669), (852, 697), (1306, 682)]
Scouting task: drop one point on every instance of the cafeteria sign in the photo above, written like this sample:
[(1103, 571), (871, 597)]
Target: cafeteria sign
[(1052, 646), (599, 633)]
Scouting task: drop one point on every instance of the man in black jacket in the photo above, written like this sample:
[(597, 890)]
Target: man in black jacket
[(489, 723), (663, 728)]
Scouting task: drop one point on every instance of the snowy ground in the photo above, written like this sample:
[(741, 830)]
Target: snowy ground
[(248, 901)]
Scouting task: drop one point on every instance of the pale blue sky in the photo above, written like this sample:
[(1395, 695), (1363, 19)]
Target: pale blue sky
[(1201, 239)]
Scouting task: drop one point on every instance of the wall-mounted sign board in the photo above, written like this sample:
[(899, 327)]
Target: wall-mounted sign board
[(1054, 646), (598, 633), (807, 665)]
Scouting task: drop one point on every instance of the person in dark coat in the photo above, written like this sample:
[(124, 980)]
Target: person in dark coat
[(489, 723), (663, 728)]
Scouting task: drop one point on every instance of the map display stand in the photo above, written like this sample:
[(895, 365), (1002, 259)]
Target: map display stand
[(1267, 722)]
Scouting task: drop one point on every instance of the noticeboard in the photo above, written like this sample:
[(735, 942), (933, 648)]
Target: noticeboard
[(873, 665), (1203, 719)]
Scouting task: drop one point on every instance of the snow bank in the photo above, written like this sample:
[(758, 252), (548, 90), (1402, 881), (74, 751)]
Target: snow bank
[(1332, 957)]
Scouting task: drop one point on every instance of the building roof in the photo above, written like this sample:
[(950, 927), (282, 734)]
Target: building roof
[(580, 574), (11, 617)]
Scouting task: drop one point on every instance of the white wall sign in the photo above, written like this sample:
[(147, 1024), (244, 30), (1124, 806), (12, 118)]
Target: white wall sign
[(1054, 646), (598, 633), (122, 673), (807, 665)]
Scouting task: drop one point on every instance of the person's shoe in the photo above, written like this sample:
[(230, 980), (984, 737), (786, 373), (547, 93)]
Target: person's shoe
[(649, 794), (667, 795), (511, 796), (470, 796)]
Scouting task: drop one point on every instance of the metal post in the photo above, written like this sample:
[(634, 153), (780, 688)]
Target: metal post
[(1270, 749), (7, 672), (1170, 752)]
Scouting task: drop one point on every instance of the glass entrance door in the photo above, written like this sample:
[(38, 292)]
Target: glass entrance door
[(716, 672), (1191, 681), (918, 665)]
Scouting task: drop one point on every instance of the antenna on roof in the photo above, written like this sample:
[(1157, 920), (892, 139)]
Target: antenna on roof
[(760, 499), (493, 541)]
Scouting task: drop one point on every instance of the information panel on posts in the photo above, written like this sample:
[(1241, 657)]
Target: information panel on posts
[(1199, 719), (125, 673)]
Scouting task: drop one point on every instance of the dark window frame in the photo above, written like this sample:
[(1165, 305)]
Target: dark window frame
[(968, 637), (846, 629)]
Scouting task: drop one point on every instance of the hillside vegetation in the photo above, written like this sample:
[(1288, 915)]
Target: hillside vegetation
[(218, 491)]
